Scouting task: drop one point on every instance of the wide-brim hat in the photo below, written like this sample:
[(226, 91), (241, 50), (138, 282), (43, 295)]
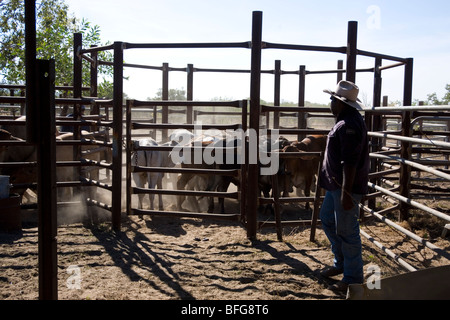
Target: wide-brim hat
[(347, 92)]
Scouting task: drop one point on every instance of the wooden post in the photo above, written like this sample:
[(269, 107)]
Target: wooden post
[(165, 97), (190, 92), (340, 66), (255, 106), (46, 178), (276, 98), (351, 50), (30, 67), (117, 136), (302, 118)]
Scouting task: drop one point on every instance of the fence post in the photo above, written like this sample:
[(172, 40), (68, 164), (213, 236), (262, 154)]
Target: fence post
[(340, 66), (255, 106), (405, 153), (302, 117), (190, 92), (30, 62), (351, 50), (116, 201), (276, 99), (46, 178), (165, 97)]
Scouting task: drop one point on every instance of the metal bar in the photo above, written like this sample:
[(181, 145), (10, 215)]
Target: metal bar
[(230, 195), (188, 45), (265, 108), (381, 68), (97, 49), (286, 223), (408, 233), (165, 126), (98, 204), (409, 108), (223, 172), (410, 139), (381, 56), (411, 202), (221, 70), (182, 214), (176, 103), (269, 45), (413, 164), (388, 252)]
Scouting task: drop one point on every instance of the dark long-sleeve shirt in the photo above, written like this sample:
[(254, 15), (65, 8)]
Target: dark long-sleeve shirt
[(347, 143)]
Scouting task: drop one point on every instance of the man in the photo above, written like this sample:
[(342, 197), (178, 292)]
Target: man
[(344, 176)]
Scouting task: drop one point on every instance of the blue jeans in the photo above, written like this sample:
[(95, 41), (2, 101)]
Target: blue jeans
[(342, 229)]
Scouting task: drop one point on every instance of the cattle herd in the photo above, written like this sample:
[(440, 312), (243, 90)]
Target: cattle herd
[(299, 171)]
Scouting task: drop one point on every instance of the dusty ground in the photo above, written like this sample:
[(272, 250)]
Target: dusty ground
[(167, 258)]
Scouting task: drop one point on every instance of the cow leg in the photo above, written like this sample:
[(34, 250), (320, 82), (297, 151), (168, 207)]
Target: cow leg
[(183, 179), (152, 182), (139, 180), (159, 185)]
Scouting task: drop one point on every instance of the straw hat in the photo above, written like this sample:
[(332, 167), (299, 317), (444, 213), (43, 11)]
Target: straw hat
[(347, 92)]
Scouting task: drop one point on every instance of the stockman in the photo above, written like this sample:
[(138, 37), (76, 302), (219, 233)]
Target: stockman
[(344, 176)]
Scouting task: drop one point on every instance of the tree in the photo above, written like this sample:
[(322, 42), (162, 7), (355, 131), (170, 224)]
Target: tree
[(54, 37), (432, 98), (174, 94)]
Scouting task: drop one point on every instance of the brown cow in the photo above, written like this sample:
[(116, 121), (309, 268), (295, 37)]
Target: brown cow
[(302, 170)]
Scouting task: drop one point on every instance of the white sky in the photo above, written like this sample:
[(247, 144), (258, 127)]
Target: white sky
[(417, 29)]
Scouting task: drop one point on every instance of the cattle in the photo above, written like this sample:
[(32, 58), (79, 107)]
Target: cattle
[(212, 157), (28, 153), (201, 182), (150, 158), (265, 185), (302, 170)]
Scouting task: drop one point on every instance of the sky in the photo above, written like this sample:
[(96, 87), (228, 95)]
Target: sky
[(407, 29)]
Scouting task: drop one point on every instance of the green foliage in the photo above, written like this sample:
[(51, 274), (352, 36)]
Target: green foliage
[(174, 94), (54, 36), (432, 98)]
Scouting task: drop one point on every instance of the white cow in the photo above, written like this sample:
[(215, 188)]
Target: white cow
[(150, 158)]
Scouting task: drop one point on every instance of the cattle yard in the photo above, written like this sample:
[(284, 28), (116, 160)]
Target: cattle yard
[(409, 148)]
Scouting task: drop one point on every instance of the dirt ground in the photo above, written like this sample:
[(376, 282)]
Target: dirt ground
[(161, 258)]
